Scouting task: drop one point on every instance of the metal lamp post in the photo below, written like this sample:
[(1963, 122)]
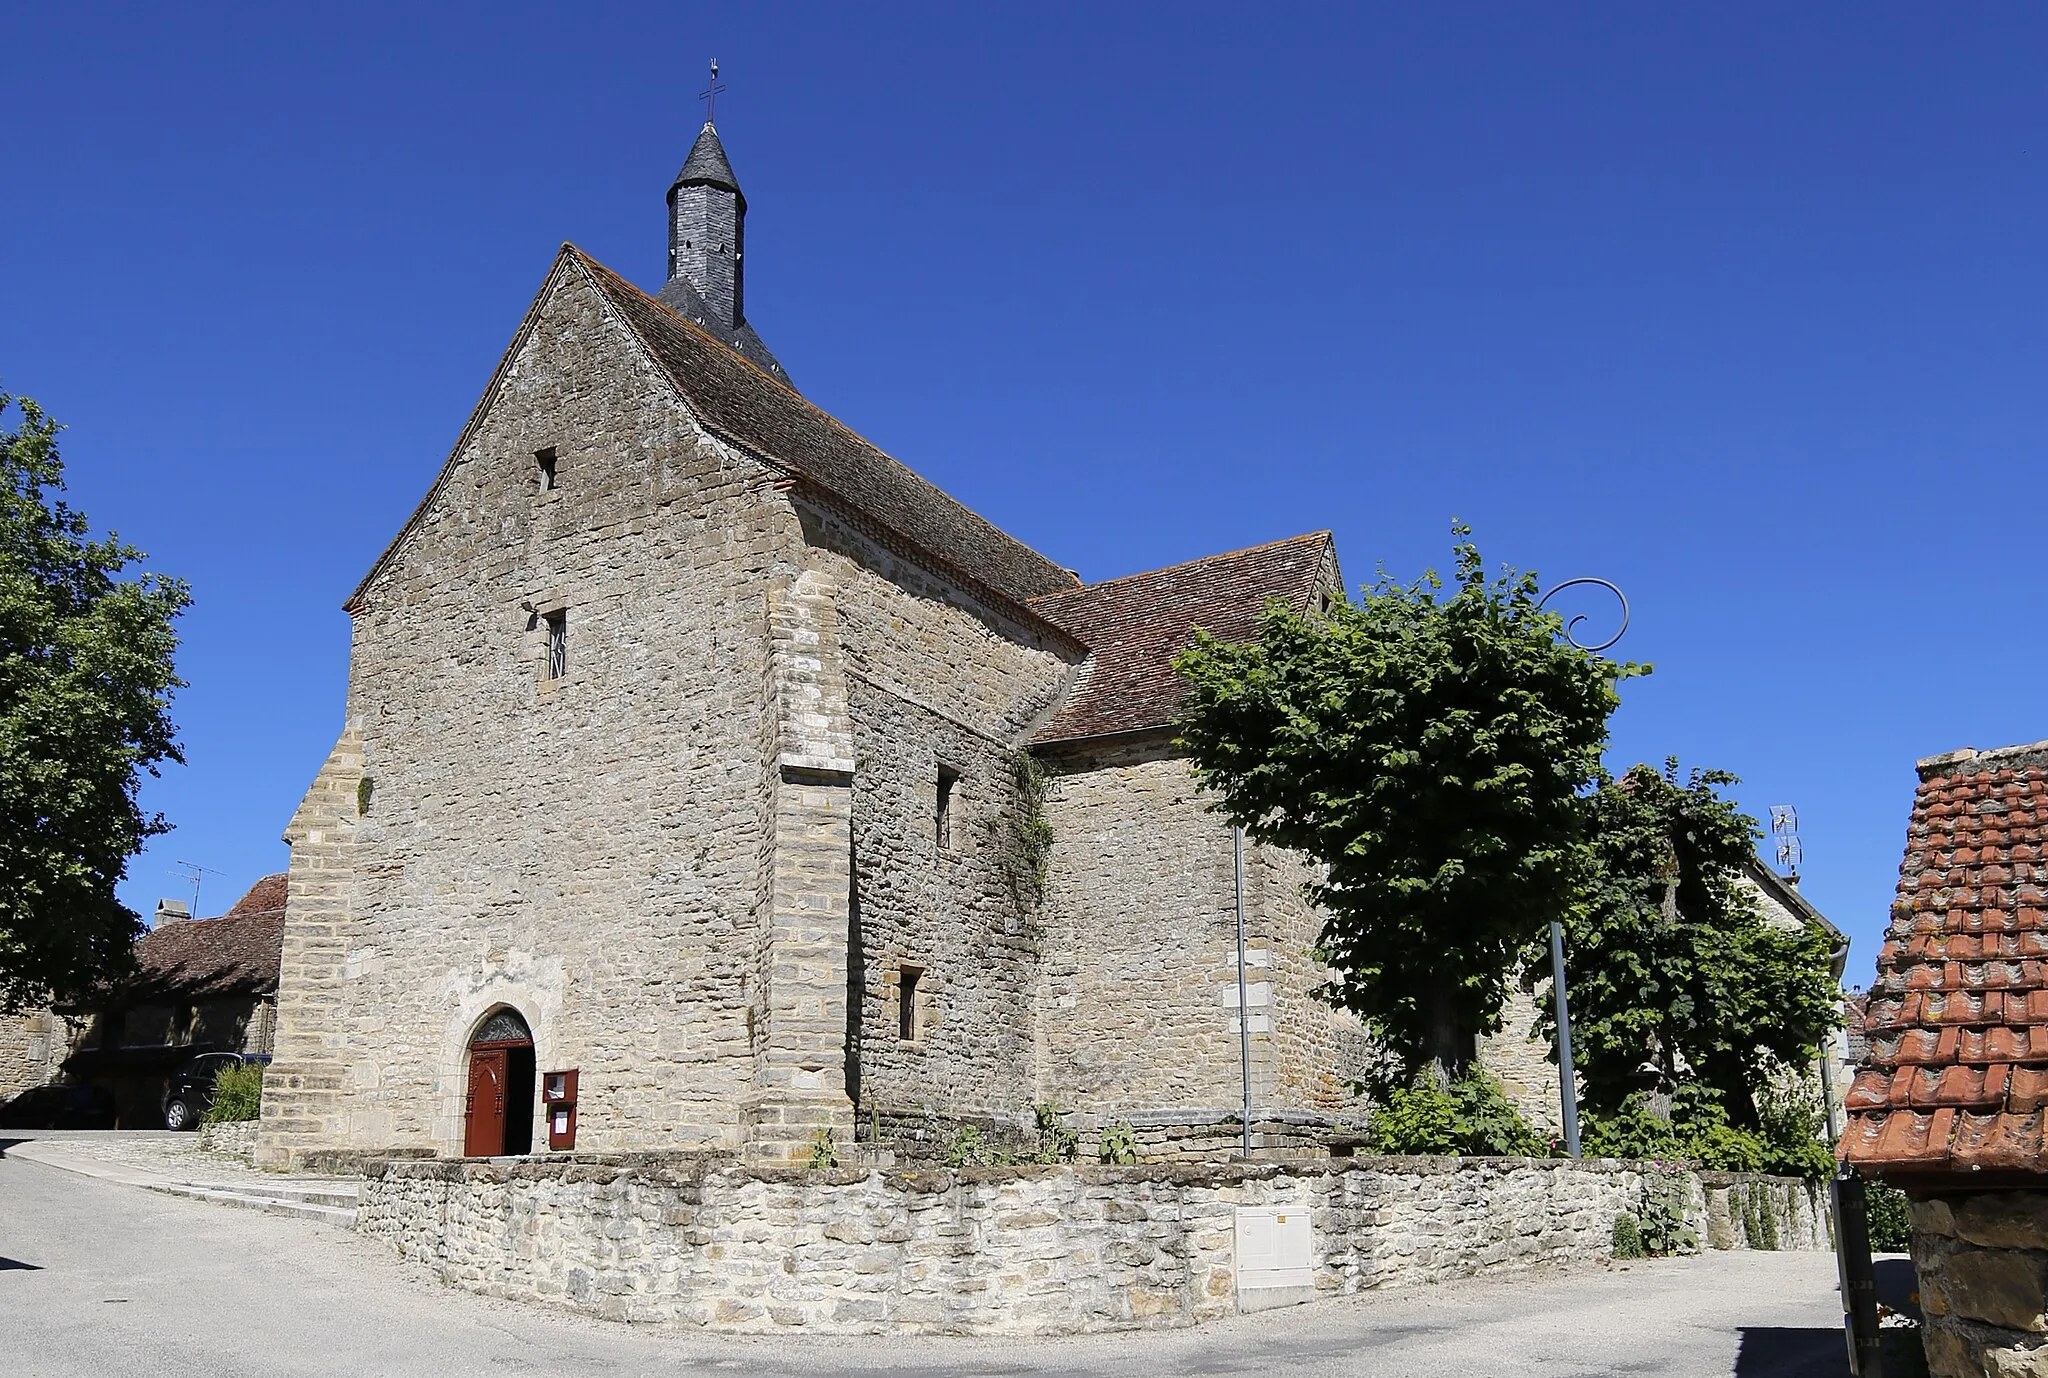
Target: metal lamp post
[(1567, 1083)]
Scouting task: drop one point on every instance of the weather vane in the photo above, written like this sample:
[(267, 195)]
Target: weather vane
[(709, 95)]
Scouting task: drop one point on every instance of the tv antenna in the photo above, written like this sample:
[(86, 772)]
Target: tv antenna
[(1785, 838), (192, 871)]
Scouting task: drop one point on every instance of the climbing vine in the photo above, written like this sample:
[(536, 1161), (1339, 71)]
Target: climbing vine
[(1025, 837)]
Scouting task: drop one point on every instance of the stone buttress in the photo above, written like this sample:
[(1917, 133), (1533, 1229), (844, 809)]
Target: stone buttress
[(302, 1106), (800, 1029)]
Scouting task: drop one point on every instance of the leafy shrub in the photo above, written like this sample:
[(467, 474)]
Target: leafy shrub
[(1794, 1128), (1698, 1132), (237, 1094), (1628, 1237), (823, 1153), (1472, 1117), (1891, 1229)]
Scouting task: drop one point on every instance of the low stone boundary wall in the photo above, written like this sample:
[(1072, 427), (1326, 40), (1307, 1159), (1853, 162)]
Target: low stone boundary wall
[(1035, 1250), (230, 1138)]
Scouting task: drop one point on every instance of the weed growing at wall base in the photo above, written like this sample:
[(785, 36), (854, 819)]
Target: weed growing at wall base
[(1119, 1145)]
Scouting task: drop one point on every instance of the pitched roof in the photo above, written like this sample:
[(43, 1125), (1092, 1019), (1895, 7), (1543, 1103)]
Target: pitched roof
[(235, 954), (707, 165), (679, 296), (1134, 626), (742, 404), (1955, 1079)]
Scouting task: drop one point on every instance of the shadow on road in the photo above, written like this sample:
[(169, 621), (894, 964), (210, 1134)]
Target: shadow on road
[(1770, 1351), (15, 1265), (1898, 1287)]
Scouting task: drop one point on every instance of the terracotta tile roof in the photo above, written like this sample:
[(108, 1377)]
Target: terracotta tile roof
[(1134, 626), (1955, 1078), (235, 954), (745, 405)]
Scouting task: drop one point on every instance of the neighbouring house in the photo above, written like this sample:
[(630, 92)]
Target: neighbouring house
[(1949, 1102), (202, 985), (1782, 904)]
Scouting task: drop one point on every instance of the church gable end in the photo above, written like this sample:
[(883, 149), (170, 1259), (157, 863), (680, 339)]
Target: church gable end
[(556, 688)]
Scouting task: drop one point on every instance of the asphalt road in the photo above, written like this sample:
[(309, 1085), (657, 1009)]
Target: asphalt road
[(99, 1280)]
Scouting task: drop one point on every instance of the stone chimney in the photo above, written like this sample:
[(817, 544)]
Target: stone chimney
[(171, 911)]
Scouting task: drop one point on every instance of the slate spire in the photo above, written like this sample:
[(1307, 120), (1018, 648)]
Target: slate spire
[(707, 220), (708, 166)]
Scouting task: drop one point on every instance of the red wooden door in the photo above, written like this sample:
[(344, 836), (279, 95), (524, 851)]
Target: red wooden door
[(483, 1133)]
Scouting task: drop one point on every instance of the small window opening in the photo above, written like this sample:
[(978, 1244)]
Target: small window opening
[(546, 460), (558, 643), (942, 822), (906, 1002)]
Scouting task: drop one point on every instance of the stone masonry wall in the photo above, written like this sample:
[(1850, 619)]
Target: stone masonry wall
[(1138, 1001), (995, 1251), (586, 850), (1982, 1261), (943, 910), (940, 679), (1319, 1052), (1523, 1063), (33, 1046)]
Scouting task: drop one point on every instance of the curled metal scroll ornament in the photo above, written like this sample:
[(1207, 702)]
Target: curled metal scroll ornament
[(1572, 625)]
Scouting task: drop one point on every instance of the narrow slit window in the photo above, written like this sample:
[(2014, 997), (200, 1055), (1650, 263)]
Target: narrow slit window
[(906, 1003), (558, 643), (942, 820), (545, 459)]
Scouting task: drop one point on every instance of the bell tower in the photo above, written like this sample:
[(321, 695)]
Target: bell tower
[(707, 228)]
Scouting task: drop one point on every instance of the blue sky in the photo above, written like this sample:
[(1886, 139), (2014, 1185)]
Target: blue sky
[(1739, 307)]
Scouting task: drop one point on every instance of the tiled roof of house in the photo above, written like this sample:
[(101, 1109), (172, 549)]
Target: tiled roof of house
[(235, 954), (1956, 1074), (1134, 626), (745, 405)]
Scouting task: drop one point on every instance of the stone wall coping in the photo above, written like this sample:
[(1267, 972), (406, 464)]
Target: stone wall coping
[(1733, 1179), (697, 1168)]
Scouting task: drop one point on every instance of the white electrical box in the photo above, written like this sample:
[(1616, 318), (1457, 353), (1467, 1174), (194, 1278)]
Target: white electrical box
[(1276, 1264)]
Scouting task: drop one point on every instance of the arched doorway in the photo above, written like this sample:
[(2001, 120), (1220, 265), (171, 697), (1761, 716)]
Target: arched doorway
[(497, 1116)]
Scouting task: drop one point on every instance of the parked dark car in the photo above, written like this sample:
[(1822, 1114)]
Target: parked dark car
[(190, 1090)]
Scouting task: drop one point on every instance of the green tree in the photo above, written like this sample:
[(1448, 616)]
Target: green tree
[(1430, 749), (1671, 961), (85, 689)]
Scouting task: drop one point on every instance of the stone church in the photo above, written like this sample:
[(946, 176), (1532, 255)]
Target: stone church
[(697, 747)]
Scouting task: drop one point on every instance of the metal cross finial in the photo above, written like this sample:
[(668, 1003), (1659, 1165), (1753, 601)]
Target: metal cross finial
[(710, 94)]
